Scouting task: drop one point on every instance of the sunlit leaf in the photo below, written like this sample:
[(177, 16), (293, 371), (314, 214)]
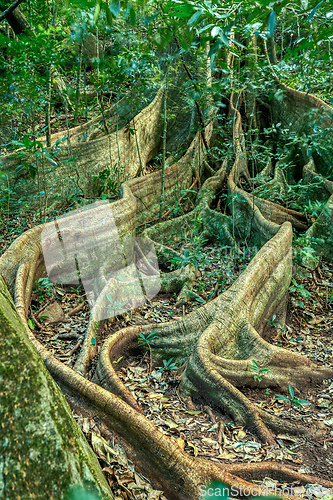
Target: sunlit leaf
[(115, 8), (31, 323), (271, 24), (195, 18), (215, 31), (97, 10), (312, 13), (224, 39)]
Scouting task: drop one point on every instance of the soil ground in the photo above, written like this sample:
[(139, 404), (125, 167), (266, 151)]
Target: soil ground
[(203, 430)]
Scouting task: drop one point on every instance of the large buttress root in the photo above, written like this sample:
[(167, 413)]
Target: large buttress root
[(215, 343), (175, 471), (219, 340)]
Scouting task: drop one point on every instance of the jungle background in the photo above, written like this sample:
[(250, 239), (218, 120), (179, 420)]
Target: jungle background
[(206, 128)]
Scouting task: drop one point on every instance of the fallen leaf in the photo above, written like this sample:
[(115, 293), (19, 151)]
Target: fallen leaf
[(241, 435), (170, 422), (195, 449), (226, 455), (210, 442), (181, 443)]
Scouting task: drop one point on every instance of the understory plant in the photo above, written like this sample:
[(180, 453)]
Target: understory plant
[(146, 341), (300, 290), (193, 252), (293, 400), (258, 373), (168, 365)]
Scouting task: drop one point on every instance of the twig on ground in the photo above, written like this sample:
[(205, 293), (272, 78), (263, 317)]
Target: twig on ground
[(76, 309), (76, 347), (33, 317)]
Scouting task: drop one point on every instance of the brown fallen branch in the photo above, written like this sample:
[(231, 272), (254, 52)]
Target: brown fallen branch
[(77, 309), (76, 347), (68, 336)]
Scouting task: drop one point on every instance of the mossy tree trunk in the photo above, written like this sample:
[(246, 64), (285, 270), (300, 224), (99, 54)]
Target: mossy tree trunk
[(43, 452)]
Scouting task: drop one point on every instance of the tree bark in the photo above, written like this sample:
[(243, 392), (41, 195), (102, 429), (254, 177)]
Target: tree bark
[(43, 451)]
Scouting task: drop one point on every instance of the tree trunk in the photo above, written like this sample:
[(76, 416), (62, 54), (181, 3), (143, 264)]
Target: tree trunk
[(43, 451)]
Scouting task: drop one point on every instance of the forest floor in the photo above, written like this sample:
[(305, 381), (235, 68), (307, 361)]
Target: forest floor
[(203, 431)]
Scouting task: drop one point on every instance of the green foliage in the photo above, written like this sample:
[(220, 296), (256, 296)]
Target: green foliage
[(118, 360), (193, 254), (300, 290), (31, 324), (273, 322), (146, 341), (115, 307), (43, 288), (258, 373), (304, 252), (108, 182), (6, 191), (168, 365), (293, 400)]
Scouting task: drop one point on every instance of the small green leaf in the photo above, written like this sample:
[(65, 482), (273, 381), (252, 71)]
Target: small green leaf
[(312, 13), (271, 24), (280, 397), (119, 359), (224, 39), (115, 8), (31, 324), (93, 341), (291, 391), (97, 10), (195, 18)]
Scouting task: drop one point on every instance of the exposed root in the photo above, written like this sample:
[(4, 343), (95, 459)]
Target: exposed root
[(179, 474), (215, 343), (276, 471)]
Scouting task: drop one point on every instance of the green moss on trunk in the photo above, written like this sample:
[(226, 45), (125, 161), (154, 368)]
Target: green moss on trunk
[(42, 450)]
